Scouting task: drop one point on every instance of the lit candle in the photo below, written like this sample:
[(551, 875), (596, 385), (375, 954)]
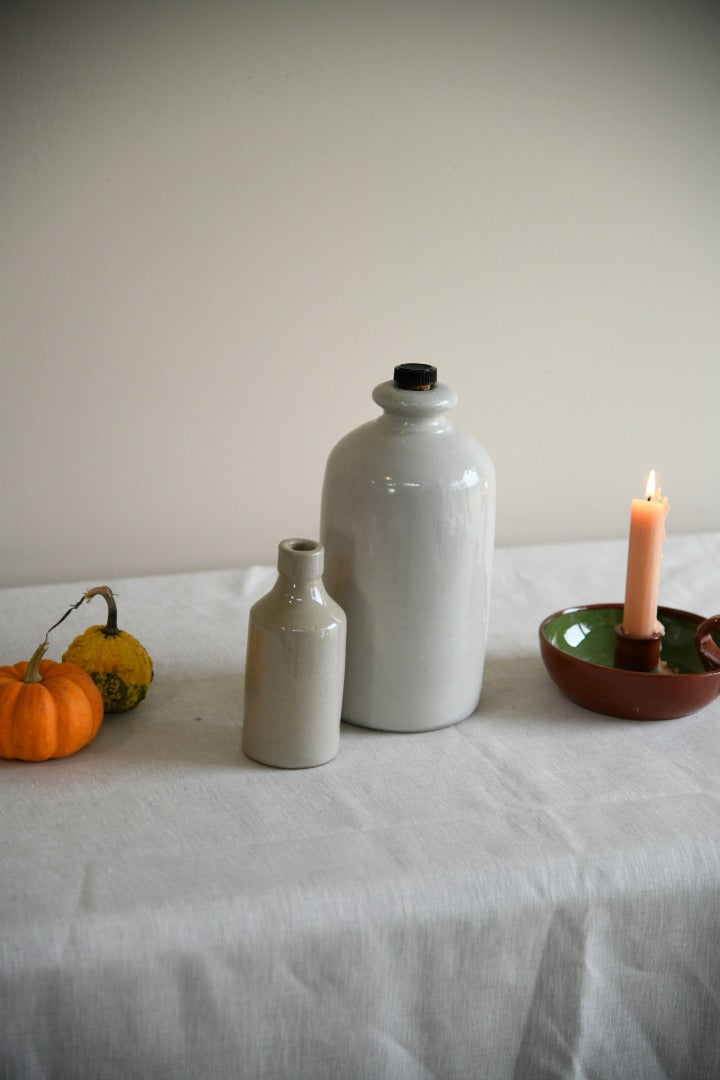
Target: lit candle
[(647, 532)]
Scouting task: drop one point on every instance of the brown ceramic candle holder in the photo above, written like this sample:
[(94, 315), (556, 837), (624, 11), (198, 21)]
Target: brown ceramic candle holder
[(578, 647), (635, 653)]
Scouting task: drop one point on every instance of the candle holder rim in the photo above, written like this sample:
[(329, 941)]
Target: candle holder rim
[(676, 613)]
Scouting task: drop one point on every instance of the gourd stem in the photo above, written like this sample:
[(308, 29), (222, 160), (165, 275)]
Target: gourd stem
[(64, 617), (32, 674), (111, 627)]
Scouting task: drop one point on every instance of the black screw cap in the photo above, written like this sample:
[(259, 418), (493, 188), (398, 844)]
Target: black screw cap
[(415, 376)]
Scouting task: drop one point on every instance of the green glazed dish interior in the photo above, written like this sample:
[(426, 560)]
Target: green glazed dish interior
[(589, 634)]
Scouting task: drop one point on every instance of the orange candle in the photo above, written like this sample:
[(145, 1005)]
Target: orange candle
[(647, 532)]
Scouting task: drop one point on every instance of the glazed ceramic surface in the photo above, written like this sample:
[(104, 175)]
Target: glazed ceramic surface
[(407, 520), (707, 642), (295, 665), (577, 646)]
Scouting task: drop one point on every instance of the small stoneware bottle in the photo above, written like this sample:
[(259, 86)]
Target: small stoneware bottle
[(295, 665), (407, 521)]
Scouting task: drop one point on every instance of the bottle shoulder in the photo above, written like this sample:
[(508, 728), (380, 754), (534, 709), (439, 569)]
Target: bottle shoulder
[(298, 606), (376, 449)]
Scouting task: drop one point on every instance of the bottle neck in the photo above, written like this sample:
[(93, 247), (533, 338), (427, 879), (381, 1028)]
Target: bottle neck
[(293, 592), (300, 560), (415, 408), (300, 565)]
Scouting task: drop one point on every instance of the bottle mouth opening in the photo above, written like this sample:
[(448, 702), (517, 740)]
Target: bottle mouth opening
[(301, 559)]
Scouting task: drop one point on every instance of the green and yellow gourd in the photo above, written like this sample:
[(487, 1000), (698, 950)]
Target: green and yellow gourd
[(118, 664)]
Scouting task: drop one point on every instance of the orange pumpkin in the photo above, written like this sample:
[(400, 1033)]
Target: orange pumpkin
[(47, 710)]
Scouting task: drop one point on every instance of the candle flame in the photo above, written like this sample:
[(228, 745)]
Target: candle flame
[(650, 486)]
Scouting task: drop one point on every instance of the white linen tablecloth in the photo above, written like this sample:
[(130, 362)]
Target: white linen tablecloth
[(534, 892)]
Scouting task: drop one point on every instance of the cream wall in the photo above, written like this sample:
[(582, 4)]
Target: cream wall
[(222, 224)]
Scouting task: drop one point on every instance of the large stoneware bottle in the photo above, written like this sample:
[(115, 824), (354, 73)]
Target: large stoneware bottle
[(407, 522)]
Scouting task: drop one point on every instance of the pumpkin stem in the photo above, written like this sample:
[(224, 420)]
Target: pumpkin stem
[(111, 627), (33, 669)]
